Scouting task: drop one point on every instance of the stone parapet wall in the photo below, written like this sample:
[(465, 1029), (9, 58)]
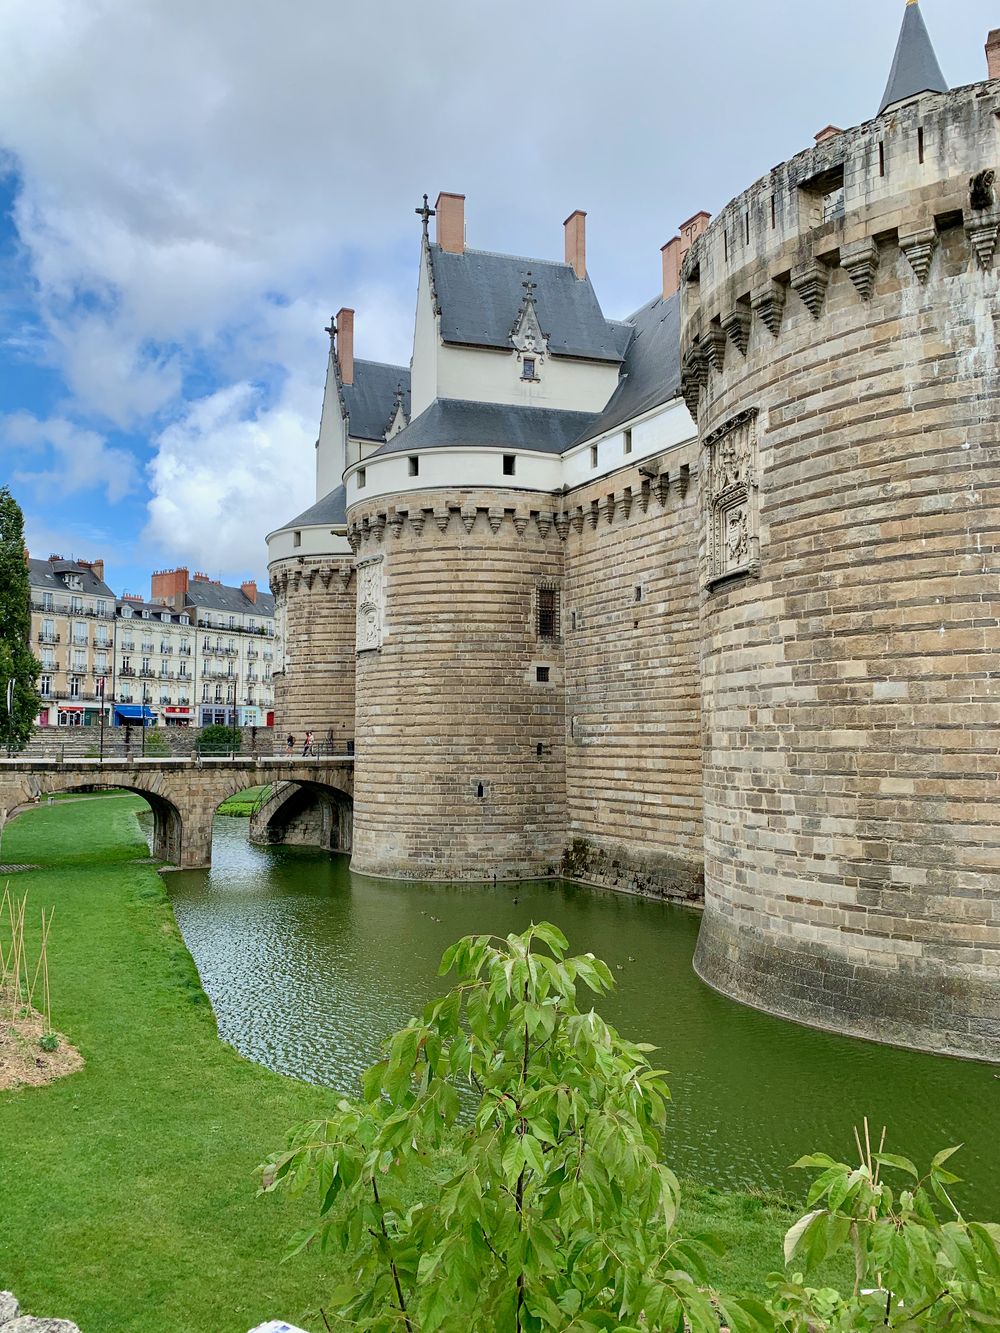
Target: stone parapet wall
[(631, 627), (851, 605), (460, 770), (315, 609)]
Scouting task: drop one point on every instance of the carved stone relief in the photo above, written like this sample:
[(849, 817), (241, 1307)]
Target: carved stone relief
[(731, 499), (371, 604)]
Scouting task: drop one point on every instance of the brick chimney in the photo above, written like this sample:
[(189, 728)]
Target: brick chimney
[(671, 254), (166, 584), (828, 132), (98, 567), (993, 54), (450, 213), (249, 590), (575, 233), (345, 345), (692, 229)]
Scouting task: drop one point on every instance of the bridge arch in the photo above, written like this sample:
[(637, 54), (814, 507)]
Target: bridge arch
[(305, 813), (168, 823), (184, 794)]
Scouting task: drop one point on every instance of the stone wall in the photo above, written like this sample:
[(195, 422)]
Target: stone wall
[(844, 369), (314, 691), (633, 749), (460, 747)]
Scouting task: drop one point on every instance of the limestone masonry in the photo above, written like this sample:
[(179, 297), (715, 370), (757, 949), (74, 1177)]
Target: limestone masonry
[(705, 603)]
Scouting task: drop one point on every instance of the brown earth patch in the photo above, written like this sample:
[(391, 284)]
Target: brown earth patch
[(22, 1060)]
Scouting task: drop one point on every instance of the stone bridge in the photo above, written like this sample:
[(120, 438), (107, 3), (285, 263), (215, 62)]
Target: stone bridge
[(184, 795)]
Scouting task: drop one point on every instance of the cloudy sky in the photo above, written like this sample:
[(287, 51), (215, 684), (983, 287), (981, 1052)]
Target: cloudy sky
[(189, 188)]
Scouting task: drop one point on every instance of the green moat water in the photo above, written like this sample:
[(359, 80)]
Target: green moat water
[(308, 967)]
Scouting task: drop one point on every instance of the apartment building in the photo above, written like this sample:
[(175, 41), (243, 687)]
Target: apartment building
[(72, 634), (154, 664), (232, 634)]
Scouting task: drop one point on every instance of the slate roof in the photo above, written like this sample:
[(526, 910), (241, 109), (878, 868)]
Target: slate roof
[(220, 597), (455, 421), (651, 371), (371, 398), (915, 67), (479, 296), (330, 511), (44, 574), (154, 608)]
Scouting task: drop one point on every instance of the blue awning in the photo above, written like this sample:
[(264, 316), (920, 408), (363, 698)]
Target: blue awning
[(134, 711)]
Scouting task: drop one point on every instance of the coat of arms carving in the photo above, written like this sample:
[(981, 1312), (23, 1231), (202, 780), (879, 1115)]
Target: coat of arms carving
[(731, 499), (371, 605)]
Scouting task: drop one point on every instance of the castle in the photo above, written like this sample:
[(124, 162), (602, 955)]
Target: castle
[(705, 603)]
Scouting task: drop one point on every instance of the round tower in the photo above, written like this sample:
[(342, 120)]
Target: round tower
[(459, 770), (839, 344), (312, 577)]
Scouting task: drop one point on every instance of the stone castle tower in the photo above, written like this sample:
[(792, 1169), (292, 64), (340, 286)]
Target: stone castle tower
[(704, 603), (839, 345)]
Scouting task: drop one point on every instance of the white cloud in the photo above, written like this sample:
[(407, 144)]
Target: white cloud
[(72, 458), (227, 472), (202, 184)]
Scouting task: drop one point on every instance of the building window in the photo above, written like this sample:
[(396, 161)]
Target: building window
[(74, 687), (593, 455), (414, 464), (102, 607), (47, 602), (628, 441), (509, 464), (185, 620), (296, 538), (145, 666), (145, 615), (79, 660), (126, 612), (362, 478), (638, 592), (542, 675), (528, 368), (548, 613), (45, 686), (76, 606), (573, 621)]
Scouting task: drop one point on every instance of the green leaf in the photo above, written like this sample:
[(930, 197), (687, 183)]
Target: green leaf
[(901, 1163), (794, 1234)]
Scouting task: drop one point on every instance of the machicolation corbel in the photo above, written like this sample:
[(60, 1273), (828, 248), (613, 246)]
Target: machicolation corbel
[(736, 326), (811, 281), (919, 249), (768, 303), (860, 262)]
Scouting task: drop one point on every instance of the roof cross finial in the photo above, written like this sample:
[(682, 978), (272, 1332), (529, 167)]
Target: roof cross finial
[(529, 287), (331, 328), (425, 213)]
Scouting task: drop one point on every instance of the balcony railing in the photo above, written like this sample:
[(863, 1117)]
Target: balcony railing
[(166, 648), (127, 671), (45, 636), (145, 671), (184, 651)]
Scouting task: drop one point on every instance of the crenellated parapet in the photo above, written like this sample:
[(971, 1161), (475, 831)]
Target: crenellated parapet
[(899, 184), (470, 513)]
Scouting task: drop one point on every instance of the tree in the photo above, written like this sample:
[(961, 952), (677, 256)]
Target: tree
[(218, 739), (17, 662), (556, 1211), (559, 1212)]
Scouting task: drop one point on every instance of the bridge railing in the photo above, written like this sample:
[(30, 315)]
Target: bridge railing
[(52, 757)]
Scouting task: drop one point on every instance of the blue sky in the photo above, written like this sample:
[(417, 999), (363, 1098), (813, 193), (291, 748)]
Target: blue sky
[(189, 190)]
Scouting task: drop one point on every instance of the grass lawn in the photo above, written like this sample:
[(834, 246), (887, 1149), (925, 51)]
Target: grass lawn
[(241, 805), (127, 1190)]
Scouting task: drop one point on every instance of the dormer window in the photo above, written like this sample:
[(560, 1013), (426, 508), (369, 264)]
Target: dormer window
[(145, 615), (528, 368), (126, 612), (75, 582)]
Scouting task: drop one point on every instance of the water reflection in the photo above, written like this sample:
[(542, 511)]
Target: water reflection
[(308, 967)]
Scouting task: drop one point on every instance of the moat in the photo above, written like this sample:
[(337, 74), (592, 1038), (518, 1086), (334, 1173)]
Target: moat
[(309, 966)]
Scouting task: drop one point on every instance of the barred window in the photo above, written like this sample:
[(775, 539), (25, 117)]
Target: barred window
[(548, 613)]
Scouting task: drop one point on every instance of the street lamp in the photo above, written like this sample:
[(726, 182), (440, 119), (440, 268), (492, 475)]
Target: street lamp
[(10, 716), (100, 700)]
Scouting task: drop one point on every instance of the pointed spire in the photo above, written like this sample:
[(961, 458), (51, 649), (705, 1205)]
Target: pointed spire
[(915, 67)]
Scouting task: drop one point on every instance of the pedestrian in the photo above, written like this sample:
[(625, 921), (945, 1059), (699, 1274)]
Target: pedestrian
[(290, 743), (307, 747), (253, 740)]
